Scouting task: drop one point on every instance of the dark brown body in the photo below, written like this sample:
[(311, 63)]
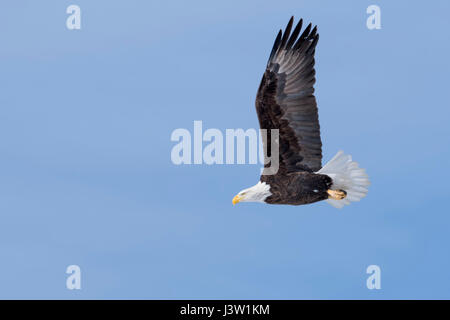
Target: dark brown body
[(297, 188)]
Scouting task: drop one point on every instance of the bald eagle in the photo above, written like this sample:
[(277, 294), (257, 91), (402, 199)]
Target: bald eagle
[(286, 101)]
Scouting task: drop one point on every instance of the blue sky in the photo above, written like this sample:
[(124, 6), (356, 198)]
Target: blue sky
[(85, 171)]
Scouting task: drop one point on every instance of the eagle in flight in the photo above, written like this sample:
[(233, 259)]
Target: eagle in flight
[(285, 101)]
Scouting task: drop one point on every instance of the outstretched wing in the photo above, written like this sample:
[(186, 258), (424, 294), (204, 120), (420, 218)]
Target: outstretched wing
[(285, 100)]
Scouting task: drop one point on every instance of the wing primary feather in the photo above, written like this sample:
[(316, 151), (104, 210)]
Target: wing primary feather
[(313, 33), (302, 37), (287, 32), (275, 45), (294, 34), (313, 45)]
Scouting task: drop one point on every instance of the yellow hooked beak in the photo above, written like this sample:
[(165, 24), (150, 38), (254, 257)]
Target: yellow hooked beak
[(236, 199)]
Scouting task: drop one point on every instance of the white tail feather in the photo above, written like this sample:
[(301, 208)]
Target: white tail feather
[(346, 175)]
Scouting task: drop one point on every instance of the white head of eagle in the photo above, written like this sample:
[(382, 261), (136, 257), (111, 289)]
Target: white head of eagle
[(285, 101), (258, 193)]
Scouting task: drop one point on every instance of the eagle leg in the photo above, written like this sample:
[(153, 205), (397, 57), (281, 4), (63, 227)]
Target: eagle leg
[(336, 194)]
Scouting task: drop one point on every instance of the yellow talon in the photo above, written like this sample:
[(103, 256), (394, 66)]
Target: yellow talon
[(336, 194)]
